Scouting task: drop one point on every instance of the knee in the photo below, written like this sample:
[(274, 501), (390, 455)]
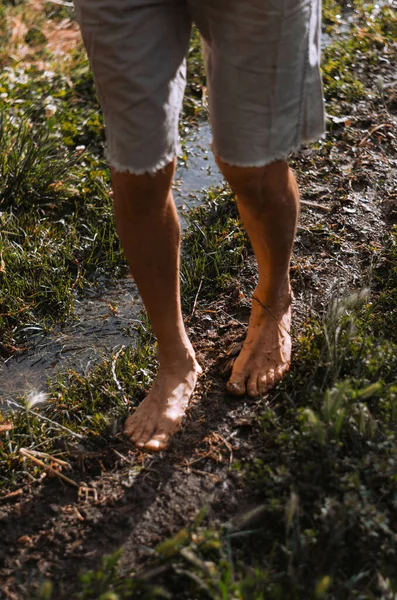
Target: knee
[(251, 183)]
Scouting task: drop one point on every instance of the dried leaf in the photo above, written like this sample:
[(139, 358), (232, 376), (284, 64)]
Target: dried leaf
[(6, 427)]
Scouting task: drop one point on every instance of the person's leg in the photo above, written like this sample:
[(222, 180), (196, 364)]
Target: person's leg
[(268, 203), (137, 53), (265, 99), (148, 226)]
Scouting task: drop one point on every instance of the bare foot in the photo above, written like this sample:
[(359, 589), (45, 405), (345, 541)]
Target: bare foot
[(266, 352), (160, 414)]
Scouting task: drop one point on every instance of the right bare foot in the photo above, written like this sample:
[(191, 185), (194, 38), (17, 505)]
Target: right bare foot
[(160, 414), (266, 353)]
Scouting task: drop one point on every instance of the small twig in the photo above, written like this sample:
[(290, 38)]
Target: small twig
[(122, 457), (86, 494), (81, 437), (316, 205), (78, 514), (373, 130), (78, 276), (198, 472), (205, 473), (117, 382), (40, 416), (227, 444), (12, 494), (196, 298), (61, 3), (58, 461), (222, 439), (42, 464), (196, 460)]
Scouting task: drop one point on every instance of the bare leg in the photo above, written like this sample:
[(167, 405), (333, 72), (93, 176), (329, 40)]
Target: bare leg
[(268, 203), (148, 226)]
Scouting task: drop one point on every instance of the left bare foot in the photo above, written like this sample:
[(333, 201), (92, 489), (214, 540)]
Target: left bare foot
[(266, 352), (160, 414)]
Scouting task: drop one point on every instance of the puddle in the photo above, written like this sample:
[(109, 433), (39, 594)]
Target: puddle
[(102, 323), (107, 320), (198, 173)]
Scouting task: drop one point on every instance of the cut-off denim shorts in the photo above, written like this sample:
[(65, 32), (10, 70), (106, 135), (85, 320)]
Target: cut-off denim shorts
[(263, 79)]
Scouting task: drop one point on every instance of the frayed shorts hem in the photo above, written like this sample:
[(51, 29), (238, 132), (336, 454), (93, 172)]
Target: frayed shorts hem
[(315, 137), (120, 167)]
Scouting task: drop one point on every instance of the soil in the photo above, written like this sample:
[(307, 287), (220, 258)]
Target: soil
[(349, 202)]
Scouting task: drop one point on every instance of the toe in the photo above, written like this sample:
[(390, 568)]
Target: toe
[(267, 381), (157, 442), (262, 385), (270, 379), (252, 387), (236, 386), (143, 434), (136, 439), (135, 429), (129, 425), (280, 372)]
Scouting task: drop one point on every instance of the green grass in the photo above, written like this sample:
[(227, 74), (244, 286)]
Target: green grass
[(57, 234), (34, 169), (214, 248), (47, 114), (40, 291), (347, 62)]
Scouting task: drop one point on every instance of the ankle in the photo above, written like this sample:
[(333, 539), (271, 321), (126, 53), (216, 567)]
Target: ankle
[(278, 299), (177, 356)]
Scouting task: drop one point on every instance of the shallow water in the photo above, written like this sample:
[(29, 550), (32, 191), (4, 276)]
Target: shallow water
[(106, 320), (200, 171)]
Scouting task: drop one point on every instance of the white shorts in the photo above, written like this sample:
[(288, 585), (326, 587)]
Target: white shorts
[(262, 61)]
